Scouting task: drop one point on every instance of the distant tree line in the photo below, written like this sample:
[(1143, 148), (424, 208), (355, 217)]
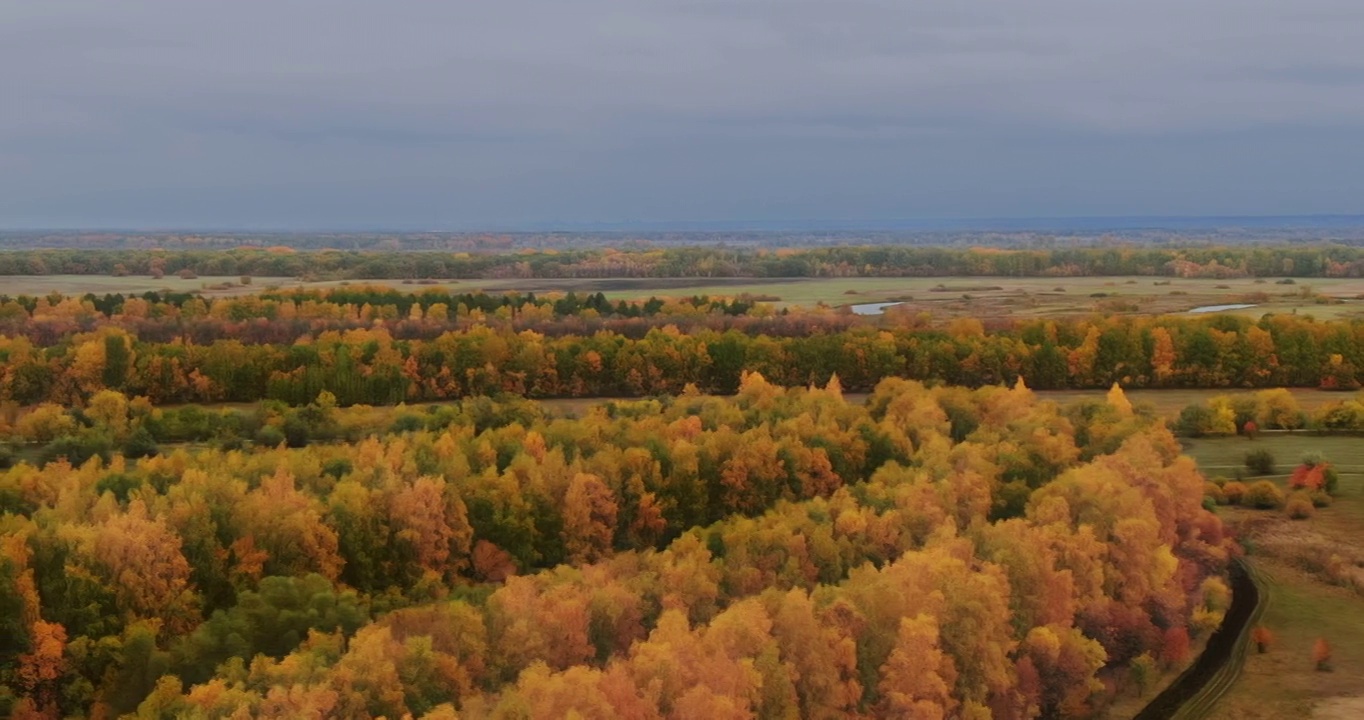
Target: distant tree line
[(842, 261), (370, 365)]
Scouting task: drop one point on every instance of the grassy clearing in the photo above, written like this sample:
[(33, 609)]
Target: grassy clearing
[(1304, 605), (1168, 403), (105, 284), (1221, 456)]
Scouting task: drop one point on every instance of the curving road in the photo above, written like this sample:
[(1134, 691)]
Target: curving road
[(1193, 694)]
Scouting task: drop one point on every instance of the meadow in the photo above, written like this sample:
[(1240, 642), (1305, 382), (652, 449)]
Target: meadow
[(1303, 605), (1027, 297)]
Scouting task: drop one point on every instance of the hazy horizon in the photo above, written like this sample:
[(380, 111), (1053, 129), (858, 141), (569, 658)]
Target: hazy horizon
[(1060, 224)]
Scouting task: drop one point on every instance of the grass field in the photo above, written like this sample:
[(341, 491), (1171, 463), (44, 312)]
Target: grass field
[(1167, 403), (1303, 605), (942, 296), (102, 284)]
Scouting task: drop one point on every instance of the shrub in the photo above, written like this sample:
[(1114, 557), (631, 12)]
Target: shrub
[(1174, 648), (1263, 495), (1262, 638), (269, 436), (406, 423), (1321, 499), (1212, 491), (1260, 462), (1194, 421), (78, 448), (187, 274), (1234, 492), (296, 431), (1143, 670), (120, 484), (1321, 655), (337, 468), (141, 444), (1299, 506)]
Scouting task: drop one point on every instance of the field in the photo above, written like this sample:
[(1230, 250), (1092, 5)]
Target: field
[(1303, 605), (1325, 298), (106, 284), (1167, 403)]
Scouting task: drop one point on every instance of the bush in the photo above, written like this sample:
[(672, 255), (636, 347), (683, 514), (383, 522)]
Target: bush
[(1263, 495), (120, 484), (1213, 491), (269, 436), (406, 423), (1194, 421), (1262, 638), (78, 448), (1299, 506), (1321, 499), (141, 444), (1260, 462), (296, 431), (1321, 655), (337, 468), (1234, 492)]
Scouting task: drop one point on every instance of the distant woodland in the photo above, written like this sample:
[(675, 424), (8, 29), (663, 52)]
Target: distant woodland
[(1305, 260)]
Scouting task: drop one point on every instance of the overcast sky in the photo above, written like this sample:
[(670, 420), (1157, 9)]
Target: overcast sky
[(470, 114)]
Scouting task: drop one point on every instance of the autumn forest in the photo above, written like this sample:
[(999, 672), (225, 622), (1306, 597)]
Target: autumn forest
[(350, 500)]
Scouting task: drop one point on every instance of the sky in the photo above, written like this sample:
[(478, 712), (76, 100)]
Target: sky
[(529, 114)]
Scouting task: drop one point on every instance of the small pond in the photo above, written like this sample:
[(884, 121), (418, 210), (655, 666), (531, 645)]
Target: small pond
[(873, 308), (1220, 308)]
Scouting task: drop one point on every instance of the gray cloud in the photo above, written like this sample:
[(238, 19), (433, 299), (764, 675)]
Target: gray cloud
[(310, 113)]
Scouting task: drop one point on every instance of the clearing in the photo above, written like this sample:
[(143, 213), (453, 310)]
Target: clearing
[(1309, 566)]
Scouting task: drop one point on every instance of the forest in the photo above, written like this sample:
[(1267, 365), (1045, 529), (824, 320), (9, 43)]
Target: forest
[(365, 347), (934, 552), (347, 501)]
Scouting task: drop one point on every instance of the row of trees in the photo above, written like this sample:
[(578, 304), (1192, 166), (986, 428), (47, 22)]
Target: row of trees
[(365, 303), (1276, 409), (839, 261), (932, 553), (371, 366)]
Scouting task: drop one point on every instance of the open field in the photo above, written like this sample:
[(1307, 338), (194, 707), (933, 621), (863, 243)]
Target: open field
[(102, 284), (943, 296), (1302, 606), (1167, 403), (1221, 456)]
